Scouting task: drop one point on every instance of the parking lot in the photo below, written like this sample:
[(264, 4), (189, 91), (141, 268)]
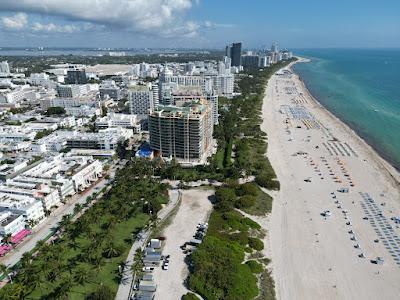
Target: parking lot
[(195, 208)]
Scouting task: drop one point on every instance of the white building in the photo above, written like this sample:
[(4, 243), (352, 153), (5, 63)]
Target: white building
[(140, 100), (222, 83), (42, 79), (4, 68), (16, 133), (87, 175), (8, 170), (82, 111), (38, 126), (64, 186), (108, 89), (61, 102), (49, 197), (118, 120), (66, 173), (28, 207), (105, 139), (17, 95), (76, 90), (54, 142), (11, 223)]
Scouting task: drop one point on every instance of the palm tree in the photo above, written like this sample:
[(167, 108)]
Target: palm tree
[(14, 291), (65, 221), (81, 276), (35, 282), (137, 265), (27, 257), (40, 244), (77, 208), (7, 239), (154, 220), (62, 290), (112, 250), (4, 270), (31, 223), (97, 262)]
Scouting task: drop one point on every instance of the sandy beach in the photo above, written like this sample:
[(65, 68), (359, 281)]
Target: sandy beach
[(315, 155)]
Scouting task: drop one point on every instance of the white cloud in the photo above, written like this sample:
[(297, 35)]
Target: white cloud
[(51, 27), (15, 22), (162, 17), (209, 24)]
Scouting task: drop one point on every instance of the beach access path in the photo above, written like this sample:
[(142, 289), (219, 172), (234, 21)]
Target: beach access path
[(315, 155)]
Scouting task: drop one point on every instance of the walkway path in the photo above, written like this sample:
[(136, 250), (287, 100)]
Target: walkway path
[(124, 290)]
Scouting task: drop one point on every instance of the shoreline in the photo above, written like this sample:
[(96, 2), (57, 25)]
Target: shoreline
[(314, 155), (394, 164), (390, 168)]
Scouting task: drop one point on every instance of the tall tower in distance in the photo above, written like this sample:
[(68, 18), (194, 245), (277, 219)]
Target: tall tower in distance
[(228, 51), (274, 47), (235, 54)]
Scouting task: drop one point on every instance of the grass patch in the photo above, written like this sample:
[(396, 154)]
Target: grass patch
[(219, 158), (262, 205), (255, 266)]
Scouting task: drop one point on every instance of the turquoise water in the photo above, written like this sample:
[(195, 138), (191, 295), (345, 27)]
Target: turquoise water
[(362, 88)]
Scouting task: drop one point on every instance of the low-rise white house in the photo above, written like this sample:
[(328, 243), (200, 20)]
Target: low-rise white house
[(118, 120), (87, 174), (28, 207), (11, 223), (48, 196)]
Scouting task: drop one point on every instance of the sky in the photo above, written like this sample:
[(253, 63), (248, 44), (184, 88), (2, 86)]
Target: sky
[(199, 23)]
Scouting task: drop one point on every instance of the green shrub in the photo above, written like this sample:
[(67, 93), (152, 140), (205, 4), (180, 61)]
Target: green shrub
[(190, 296), (218, 272), (267, 182), (240, 237), (55, 110), (225, 197), (256, 243), (245, 201), (247, 189), (262, 179), (248, 250), (254, 266), (252, 224), (274, 185)]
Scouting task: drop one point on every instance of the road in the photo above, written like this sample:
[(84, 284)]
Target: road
[(44, 229), (125, 286)]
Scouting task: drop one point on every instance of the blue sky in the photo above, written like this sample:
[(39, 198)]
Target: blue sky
[(199, 23)]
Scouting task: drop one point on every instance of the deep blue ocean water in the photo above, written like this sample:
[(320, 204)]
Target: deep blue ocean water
[(362, 88)]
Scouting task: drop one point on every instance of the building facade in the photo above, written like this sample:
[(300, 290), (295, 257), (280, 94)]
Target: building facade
[(140, 100), (183, 133), (76, 76)]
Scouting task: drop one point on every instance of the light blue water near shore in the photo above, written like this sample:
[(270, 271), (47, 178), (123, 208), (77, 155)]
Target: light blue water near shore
[(362, 88)]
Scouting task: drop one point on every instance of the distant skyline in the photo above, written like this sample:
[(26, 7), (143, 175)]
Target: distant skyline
[(199, 23)]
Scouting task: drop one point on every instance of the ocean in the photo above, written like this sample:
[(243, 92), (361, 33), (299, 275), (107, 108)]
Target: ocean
[(362, 88)]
